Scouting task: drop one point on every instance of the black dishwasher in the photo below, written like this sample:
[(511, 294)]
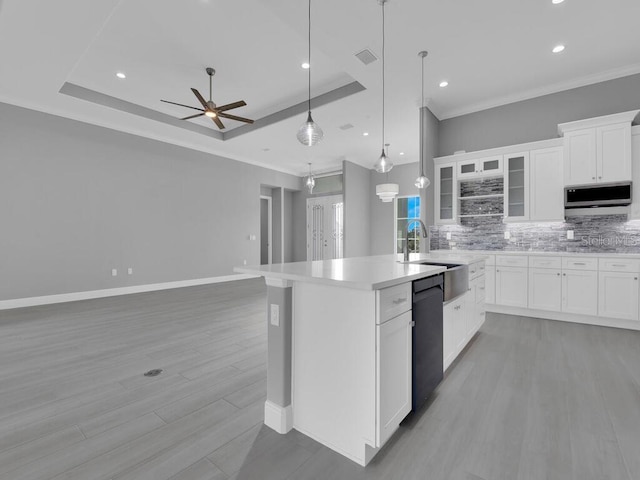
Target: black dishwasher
[(428, 295)]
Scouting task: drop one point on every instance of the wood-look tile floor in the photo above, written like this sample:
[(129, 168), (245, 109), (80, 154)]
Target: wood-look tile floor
[(529, 398)]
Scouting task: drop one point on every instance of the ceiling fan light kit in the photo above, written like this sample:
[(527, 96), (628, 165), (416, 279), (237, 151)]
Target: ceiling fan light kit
[(210, 109), (422, 181), (309, 133)]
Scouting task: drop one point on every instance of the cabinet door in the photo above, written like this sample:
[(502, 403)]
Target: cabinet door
[(450, 331), (614, 153), (545, 185), (468, 168), (394, 374), (511, 286), (635, 159), (490, 284), (618, 295), (580, 292), (491, 166), (445, 193), (580, 157), (516, 187), (545, 289)]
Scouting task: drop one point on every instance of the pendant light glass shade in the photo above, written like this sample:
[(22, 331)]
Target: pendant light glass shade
[(309, 133), (422, 181), (384, 163), (310, 181), (387, 191)]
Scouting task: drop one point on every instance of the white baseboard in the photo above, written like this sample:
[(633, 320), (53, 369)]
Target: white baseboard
[(565, 317), (278, 418), (112, 292)]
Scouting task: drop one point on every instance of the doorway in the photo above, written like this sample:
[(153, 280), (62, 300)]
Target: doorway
[(265, 230), (325, 227)]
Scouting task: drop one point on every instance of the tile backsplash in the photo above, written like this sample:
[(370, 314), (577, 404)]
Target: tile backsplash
[(592, 234)]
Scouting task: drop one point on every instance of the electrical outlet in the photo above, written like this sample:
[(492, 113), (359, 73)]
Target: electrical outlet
[(448, 235), (570, 235), (507, 235), (130, 271), (114, 272), (275, 314)]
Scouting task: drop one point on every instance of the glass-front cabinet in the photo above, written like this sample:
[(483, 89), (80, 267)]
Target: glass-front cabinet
[(446, 193), (481, 167), (516, 187)]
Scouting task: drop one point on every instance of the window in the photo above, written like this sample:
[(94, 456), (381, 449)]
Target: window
[(407, 209)]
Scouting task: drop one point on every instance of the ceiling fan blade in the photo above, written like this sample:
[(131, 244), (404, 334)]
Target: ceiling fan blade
[(217, 121), (200, 98), (193, 116), (230, 106), (233, 117), (181, 105)]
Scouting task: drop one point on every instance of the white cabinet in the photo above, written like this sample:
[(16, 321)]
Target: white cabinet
[(635, 155), (394, 374), (482, 167), (454, 333), (618, 295), (511, 286), (516, 187), (580, 291), (490, 284), (546, 190), (545, 289), (445, 193), (598, 150)]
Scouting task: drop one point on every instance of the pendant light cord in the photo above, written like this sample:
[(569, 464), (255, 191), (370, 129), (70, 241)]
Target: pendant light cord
[(309, 57), (421, 114), (383, 3)]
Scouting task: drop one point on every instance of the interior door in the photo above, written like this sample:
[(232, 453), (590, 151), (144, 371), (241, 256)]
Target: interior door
[(325, 227)]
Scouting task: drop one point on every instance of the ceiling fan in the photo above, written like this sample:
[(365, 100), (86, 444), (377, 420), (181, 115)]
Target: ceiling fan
[(211, 110)]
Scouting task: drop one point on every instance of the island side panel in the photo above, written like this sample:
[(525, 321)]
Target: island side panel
[(334, 367), (277, 410)]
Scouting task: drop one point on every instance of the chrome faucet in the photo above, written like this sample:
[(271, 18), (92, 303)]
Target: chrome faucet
[(405, 247)]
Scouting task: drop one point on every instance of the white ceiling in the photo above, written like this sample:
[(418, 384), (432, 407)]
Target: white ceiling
[(492, 52)]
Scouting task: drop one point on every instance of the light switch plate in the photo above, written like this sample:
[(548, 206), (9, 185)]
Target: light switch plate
[(570, 235), (275, 314), (448, 235), (507, 235), (114, 272)]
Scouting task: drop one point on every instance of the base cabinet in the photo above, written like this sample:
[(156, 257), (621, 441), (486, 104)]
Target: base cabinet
[(490, 284), (545, 289), (454, 331), (511, 286), (394, 374), (618, 295), (580, 292)]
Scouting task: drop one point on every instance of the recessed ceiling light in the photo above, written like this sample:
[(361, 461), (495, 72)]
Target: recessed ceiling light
[(556, 2), (558, 48), (401, 153), (365, 134), (305, 65), (443, 84), (121, 75)]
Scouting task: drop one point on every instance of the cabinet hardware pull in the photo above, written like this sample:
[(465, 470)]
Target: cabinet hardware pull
[(600, 178), (558, 274), (635, 278), (564, 274), (399, 301), (617, 265), (579, 263), (593, 178)]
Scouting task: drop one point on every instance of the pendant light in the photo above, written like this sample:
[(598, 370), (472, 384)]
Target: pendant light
[(310, 181), (384, 163), (387, 191), (309, 133), (422, 181)]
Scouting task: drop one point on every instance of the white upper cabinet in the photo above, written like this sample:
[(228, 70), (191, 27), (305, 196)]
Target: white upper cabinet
[(516, 187), (546, 191), (598, 150), (446, 196), (482, 167), (634, 213)]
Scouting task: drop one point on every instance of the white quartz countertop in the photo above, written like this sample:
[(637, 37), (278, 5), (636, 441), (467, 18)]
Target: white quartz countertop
[(436, 253), (363, 273)]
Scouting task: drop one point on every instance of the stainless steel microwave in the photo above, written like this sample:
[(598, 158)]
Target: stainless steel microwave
[(598, 195)]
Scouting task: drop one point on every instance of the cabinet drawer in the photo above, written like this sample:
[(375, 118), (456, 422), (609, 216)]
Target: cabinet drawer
[(511, 260), (476, 269), (393, 301), (579, 263), (619, 265), (545, 262)]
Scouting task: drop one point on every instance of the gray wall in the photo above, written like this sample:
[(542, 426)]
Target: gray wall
[(538, 118), (357, 210), (77, 200)]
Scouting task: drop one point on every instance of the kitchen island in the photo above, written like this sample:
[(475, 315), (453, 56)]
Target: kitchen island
[(339, 347)]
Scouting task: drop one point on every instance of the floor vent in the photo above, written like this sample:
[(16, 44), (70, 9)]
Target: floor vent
[(366, 57), (153, 373)]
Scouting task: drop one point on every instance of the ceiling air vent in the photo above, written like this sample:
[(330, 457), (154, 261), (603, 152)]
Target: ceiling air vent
[(346, 126), (366, 57)]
